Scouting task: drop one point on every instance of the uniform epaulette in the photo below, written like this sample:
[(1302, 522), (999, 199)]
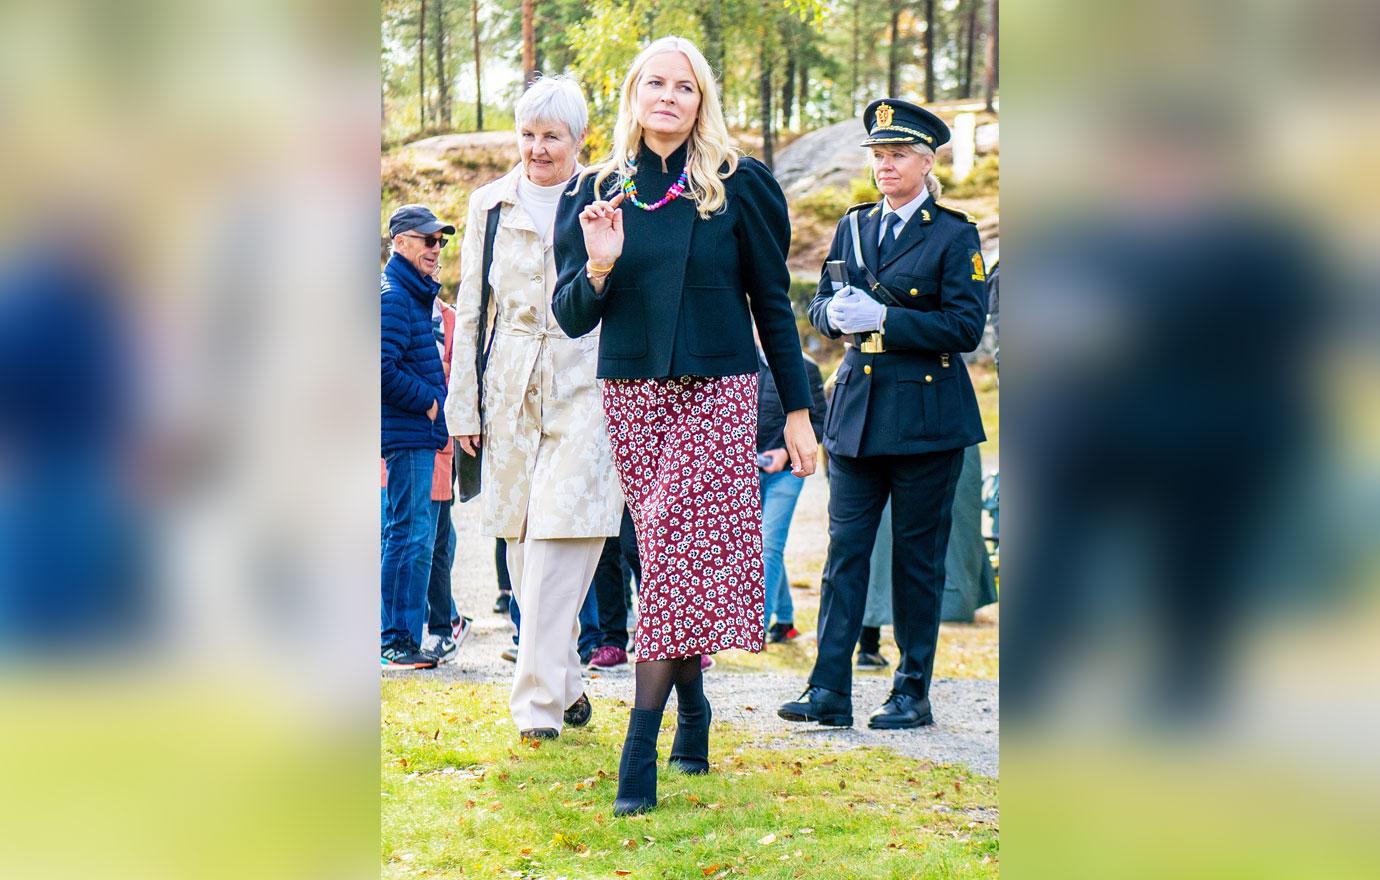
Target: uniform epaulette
[(962, 215), (861, 206)]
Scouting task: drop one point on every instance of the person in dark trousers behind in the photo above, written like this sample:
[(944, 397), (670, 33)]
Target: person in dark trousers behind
[(780, 491)]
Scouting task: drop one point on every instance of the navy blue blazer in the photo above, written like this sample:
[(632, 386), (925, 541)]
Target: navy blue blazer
[(916, 396), (683, 297)]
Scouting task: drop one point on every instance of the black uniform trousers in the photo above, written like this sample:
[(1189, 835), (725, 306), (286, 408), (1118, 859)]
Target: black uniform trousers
[(921, 488), (617, 563)]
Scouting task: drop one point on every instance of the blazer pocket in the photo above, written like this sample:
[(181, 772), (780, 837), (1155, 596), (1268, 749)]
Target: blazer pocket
[(717, 322), (915, 287), (624, 331), (836, 400), (922, 407)]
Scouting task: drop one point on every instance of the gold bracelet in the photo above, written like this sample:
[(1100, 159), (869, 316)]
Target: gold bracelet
[(592, 269)]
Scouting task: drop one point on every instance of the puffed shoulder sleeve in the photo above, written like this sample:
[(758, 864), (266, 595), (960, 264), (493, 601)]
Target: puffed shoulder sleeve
[(575, 303), (763, 228)]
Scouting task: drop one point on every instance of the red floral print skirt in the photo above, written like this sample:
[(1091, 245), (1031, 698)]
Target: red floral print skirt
[(685, 453)]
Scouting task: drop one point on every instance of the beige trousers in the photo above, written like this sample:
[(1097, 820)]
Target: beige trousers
[(550, 578)]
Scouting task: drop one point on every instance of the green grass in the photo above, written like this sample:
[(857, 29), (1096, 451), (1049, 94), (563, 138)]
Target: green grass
[(461, 798)]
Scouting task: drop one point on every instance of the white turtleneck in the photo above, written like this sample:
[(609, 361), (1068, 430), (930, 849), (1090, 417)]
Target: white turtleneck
[(540, 204)]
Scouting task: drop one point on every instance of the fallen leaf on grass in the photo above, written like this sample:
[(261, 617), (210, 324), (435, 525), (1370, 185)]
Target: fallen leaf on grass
[(842, 785), (768, 840), (710, 870), (437, 734), (957, 785), (554, 786), (622, 873), (807, 831), (750, 708), (630, 843)]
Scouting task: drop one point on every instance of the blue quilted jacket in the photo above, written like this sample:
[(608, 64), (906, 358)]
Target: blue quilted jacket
[(411, 366)]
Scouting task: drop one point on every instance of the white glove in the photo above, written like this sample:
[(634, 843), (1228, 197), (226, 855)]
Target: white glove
[(858, 314), (834, 310)]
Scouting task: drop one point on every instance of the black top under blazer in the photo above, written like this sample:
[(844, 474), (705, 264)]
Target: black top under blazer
[(905, 400), (682, 298)]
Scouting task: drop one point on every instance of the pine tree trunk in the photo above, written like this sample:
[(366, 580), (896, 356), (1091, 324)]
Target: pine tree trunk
[(929, 51), (972, 45), (529, 43), (478, 69), (764, 93), (421, 67), (711, 19), (788, 88), (442, 86), (990, 77), (857, 37), (802, 91), (893, 55)]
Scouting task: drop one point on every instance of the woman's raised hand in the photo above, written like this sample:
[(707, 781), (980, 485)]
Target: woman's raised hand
[(602, 222)]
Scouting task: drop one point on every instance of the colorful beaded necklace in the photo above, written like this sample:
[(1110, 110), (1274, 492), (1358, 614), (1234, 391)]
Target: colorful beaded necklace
[(630, 189)]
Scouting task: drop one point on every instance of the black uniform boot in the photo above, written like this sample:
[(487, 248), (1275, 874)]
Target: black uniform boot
[(637, 767), (690, 750)]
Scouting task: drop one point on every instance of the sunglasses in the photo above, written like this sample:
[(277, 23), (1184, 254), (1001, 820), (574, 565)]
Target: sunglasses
[(431, 241)]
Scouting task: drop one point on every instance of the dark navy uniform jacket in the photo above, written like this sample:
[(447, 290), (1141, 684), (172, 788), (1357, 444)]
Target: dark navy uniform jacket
[(683, 297), (916, 396)]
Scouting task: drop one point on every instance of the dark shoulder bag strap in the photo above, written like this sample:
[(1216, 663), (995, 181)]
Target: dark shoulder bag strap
[(481, 351), (880, 293)]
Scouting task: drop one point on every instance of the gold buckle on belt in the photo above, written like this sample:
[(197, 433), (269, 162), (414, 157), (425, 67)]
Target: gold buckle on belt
[(872, 344)]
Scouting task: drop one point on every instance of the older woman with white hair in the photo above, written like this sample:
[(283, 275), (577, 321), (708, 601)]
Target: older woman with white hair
[(905, 279), (549, 487)]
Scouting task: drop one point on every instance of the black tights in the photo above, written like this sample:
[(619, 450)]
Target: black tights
[(655, 678)]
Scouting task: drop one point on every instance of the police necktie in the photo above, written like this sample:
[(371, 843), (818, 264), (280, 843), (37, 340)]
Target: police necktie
[(889, 224)]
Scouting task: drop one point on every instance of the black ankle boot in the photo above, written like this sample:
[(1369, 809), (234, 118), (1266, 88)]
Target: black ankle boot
[(637, 767), (690, 750)]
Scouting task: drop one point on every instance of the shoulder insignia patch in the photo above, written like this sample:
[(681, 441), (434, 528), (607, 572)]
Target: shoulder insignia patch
[(962, 215), (863, 206), (979, 270)]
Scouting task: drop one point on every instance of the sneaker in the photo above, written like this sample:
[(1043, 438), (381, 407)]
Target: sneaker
[(706, 662), (608, 657), (782, 632), (509, 654), (460, 630), (405, 657), (869, 660), (502, 602), (443, 648)]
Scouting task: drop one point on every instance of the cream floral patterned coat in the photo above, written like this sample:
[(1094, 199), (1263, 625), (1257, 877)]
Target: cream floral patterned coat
[(547, 464)]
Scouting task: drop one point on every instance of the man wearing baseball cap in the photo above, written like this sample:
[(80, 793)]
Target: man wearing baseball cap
[(413, 392)]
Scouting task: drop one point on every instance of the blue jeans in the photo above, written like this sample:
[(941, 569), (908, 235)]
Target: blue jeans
[(409, 540), (591, 636), (780, 491), (440, 601)]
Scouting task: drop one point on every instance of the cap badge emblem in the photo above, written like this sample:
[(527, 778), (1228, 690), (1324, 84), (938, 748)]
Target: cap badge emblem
[(884, 115)]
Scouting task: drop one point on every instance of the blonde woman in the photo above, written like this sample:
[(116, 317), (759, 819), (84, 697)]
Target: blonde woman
[(549, 488), (678, 246)]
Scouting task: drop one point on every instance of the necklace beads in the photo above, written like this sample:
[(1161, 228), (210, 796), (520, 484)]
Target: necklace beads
[(630, 190)]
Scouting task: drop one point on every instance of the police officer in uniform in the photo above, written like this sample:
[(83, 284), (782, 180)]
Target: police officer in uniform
[(902, 413)]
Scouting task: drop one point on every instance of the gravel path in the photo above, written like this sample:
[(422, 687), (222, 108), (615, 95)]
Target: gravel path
[(966, 710)]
